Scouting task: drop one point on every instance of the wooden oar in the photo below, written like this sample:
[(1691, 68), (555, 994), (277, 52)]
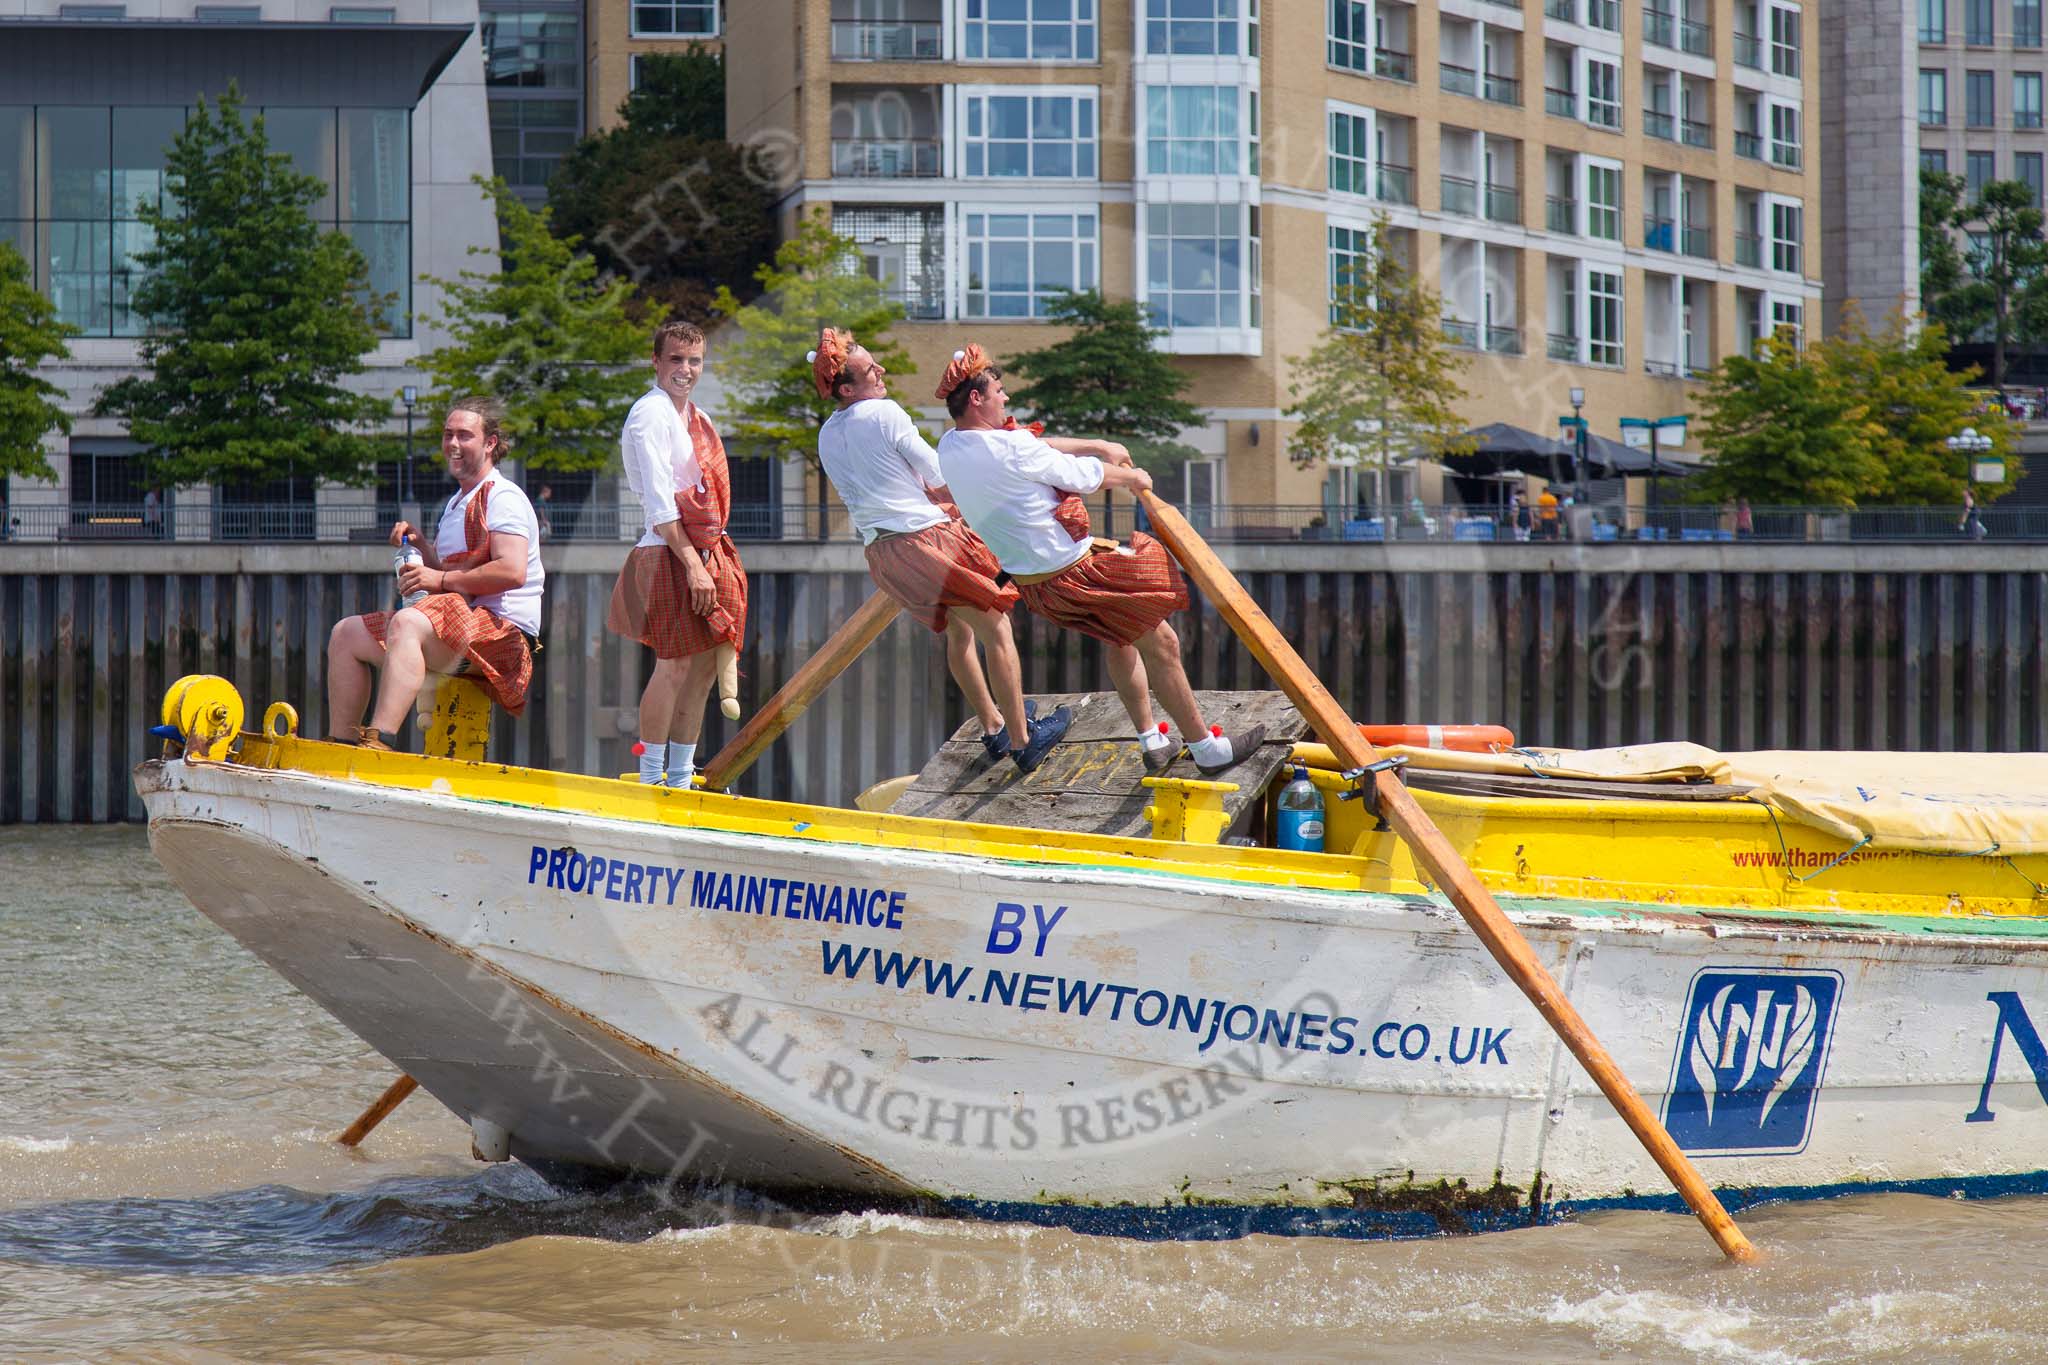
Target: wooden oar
[(804, 686), (1437, 856), (394, 1095)]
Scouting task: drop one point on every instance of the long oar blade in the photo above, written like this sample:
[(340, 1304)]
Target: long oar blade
[(1442, 861), (805, 685), (394, 1095)]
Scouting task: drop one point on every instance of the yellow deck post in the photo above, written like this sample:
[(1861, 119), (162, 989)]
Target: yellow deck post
[(460, 725), (1188, 809)]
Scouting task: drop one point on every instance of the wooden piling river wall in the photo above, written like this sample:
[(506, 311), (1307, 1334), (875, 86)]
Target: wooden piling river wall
[(1743, 646)]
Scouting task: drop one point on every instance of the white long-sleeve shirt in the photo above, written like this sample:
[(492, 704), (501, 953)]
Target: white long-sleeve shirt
[(1006, 484), (660, 458), (881, 466)]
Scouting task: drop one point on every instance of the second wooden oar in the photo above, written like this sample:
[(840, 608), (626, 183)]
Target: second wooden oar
[(794, 697), (394, 1095), (1441, 860)]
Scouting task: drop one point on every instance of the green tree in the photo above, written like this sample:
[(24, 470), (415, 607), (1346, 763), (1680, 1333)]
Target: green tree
[(2012, 253), (1945, 285), (30, 334), (1383, 379), (1916, 402), (1107, 378), (1786, 426), (815, 281), (680, 94), (256, 316), (555, 342)]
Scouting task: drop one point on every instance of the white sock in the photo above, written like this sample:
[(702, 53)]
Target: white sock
[(682, 763), (653, 758), (1153, 740), (1214, 748)]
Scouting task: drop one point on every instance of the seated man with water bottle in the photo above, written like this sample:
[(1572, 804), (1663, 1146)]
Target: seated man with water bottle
[(469, 602)]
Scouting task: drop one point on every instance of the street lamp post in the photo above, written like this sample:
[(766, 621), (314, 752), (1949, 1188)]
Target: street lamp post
[(409, 395), (1654, 425), (1578, 397), (1971, 444)]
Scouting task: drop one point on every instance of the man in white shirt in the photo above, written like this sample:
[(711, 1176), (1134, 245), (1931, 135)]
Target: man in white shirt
[(683, 590), (1008, 484), (483, 577), (918, 551)]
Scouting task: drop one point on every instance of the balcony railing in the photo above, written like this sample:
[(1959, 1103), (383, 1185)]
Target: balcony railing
[(867, 158), (1785, 154), (1503, 89), (919, 303), (1668, 368), (1460, 196), (1696, 241), (2026, 118), (1563, 103), (1462, 333), (1696, 37), (1657, 123), (1393, 64), (864, 40), (1561, 215), (1933, 118), (1515, 5), (1503, 204), (1504, 340), (1749, 248), (1749, 144), (1563, 346), (1459, 80), (1694, 133), (1394, 184), (1659, 27), (1659, 234), (1749, 50)]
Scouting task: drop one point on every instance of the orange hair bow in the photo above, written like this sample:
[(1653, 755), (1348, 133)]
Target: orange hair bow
[(829, 359), (965, 365)]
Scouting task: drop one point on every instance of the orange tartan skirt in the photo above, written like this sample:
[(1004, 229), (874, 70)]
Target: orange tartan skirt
[(651, 602), (1112, 596), (495, 649), (939, 567)]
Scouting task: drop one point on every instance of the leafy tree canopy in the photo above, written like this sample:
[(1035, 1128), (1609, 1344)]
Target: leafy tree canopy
[(1107, 379), (1383, 380), (30, 334), (560, 346), (815, 281), (257, 315), (680, 94), (1917, 402)]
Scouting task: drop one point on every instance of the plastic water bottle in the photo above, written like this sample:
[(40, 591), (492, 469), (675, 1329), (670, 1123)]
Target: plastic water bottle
[(1301, 814), (408, 553)]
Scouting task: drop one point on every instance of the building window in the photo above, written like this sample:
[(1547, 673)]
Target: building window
[(526, 48), (1603, 93), (358, 15), (228, 14), (2026, 99), (1980, 104), (1979, 170), (1350, 269), (1192, 130), (1029, 30), (1785, 237), (675, 18), (530, 137), (1933, 21), (2026, 168), (1351, 153), (1603, 318), (2026, 23), (1350, 35), (1788, 320), (1604, 14), (1016, 262), (1785, 121), (1035, 135), (1933, 98), (1603, 201), (1195, 265), (1785, 42), (1934, 159), (1977, 23), (903, 249), (1197, 28)]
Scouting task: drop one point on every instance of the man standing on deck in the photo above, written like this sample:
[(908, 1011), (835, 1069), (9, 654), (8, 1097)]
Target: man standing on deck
[(1018, 493), (917, 550), (683, 591), (483, 577)]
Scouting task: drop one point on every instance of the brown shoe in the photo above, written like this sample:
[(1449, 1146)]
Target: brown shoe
[(370, 737)]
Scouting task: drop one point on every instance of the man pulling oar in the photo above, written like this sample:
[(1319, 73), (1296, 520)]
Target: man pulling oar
[(1436, 855)]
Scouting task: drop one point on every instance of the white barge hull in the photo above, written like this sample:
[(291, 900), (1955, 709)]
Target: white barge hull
[(1086, 1044)]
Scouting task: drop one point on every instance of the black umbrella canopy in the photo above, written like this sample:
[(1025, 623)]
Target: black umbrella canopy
[(1506, 440), (1499, 447), (1618, 458)]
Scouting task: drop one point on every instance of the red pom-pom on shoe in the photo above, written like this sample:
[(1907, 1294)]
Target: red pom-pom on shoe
[(1215, 732), (1162, 727), (639, 748)]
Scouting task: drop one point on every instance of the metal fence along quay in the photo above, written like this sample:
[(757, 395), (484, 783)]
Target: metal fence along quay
[(1737, 646)]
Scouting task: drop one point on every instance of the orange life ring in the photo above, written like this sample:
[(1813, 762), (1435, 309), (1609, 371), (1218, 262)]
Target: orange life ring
[(1471, 739)]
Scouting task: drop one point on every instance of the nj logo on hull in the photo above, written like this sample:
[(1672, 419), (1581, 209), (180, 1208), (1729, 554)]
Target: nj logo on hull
[(1750, 1060)]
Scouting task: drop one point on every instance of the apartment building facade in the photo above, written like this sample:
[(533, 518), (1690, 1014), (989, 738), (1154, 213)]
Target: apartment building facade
[(1608, 196)]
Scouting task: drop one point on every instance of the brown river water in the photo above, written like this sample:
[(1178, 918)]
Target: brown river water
[(169, 1191)]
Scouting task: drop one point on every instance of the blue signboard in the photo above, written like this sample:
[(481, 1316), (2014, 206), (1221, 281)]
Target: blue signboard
[(1751, 1055)]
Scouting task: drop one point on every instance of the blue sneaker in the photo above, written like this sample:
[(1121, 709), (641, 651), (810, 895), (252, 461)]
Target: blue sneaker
[(1046, 731), (998, 744)]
